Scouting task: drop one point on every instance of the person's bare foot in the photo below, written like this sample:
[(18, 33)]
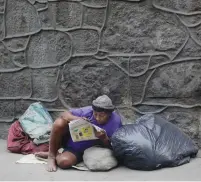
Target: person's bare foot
[(51, 165), (42, 154)]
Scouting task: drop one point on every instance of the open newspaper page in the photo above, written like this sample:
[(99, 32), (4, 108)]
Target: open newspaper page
[(82, 130)]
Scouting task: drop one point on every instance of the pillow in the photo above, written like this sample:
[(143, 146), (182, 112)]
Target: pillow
[(99, 159)]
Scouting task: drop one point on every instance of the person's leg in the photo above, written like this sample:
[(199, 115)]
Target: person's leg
[(42, 154), (58, 130), (60, 127), (64, 141), (66, 160)]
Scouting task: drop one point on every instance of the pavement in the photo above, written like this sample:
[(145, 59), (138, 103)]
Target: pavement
[(10, 171)]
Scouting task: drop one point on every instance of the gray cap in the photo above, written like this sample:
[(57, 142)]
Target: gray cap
[(104, 102)]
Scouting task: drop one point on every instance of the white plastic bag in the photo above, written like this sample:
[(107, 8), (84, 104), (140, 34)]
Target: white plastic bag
[(37, 123), (99, 159)]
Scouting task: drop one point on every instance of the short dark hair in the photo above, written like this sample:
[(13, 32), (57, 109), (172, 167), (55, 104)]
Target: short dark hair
[(99, 109)]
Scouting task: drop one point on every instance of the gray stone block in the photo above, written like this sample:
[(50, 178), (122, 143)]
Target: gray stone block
[(4, 127), (7, 111), (2, 5), (44, 84), (158, 60), (19, 59), (95, 3), (128, 31), (2, 27), (94, 17), (41, 6), (16, 44), (190, 50), (138, 87), (18, 86), (178, 81), (5, 58), (21, 106), (190, 21), (48, 48), (85, 41), (67, 14), (138, 65), (180, 5), (47, 17), (95, 77), (21, 18)]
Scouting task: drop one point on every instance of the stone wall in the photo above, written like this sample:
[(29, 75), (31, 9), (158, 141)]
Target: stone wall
[(146, 55)]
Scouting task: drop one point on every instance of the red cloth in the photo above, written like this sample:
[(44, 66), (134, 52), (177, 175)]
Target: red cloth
[(19, 142)]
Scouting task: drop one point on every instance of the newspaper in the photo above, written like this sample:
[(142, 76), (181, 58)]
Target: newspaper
[(82, 130)]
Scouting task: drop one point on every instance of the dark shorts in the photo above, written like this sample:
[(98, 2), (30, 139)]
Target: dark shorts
[(76, 153)]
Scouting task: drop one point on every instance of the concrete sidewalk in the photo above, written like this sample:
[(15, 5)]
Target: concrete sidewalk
[(33, 172)]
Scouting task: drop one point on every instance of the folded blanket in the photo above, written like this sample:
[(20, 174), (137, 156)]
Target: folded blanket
[(19, 142)]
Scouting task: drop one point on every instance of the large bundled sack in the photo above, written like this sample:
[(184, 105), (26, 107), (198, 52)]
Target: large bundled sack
[(99, 159), (37, 123), (152, 143)]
